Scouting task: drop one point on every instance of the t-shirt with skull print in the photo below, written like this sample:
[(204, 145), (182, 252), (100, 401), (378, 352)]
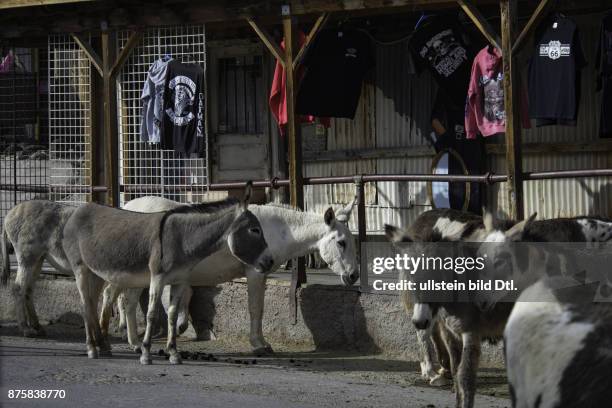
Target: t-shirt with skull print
[(183, 119)]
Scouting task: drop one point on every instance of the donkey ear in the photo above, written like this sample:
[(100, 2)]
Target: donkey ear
[(344, 214), (395, 234), (517, 232), (329, 217), (248, 191)]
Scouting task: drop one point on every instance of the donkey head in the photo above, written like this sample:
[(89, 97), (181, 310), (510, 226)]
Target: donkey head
[(423, 312), (337, 246), (246, 240)]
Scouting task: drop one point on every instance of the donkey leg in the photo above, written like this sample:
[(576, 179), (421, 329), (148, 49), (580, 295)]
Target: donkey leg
[(128, 302), (427, 353), (256, 290), (443, 377), (467, 370), (155, 292), (176, 296), (109, 297), (22, 290), (30, 308), (96, 284), (82, 276)]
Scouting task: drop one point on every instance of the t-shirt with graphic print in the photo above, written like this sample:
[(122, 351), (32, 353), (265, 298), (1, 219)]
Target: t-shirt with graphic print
[(438, 45), (554, 72), (184, 108)]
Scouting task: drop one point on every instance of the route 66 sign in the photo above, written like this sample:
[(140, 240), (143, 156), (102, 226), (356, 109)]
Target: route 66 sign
[(554, 50)]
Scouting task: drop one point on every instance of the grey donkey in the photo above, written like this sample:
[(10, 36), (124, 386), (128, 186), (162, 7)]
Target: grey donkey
[(34, 229), (131, 249)]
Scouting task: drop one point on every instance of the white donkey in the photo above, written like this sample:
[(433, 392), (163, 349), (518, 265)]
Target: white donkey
[(289, 234)]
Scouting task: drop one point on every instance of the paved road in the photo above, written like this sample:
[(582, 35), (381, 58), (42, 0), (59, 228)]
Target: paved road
[(233, 380)]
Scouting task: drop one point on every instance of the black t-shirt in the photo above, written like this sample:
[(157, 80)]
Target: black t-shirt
[(439, 46), (554, 72), (336, 64), (183, 118), (471, 152)]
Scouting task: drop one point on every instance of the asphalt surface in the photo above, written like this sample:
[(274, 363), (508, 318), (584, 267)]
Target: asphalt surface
[(221, 377)]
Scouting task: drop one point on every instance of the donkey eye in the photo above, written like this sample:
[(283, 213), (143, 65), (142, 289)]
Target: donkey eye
[(342, 244), (255, 231)]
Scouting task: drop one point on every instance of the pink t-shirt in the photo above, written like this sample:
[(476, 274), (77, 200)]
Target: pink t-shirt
[(485, 111)]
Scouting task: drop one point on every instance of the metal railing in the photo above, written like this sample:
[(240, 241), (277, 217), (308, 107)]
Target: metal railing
[(358, 180)]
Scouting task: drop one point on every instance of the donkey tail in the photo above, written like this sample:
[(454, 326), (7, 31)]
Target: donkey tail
[(6, 265)]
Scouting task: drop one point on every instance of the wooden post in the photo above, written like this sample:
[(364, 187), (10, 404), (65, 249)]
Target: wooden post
[(508, 11), (361, 234), (110, 119), (294, 136)]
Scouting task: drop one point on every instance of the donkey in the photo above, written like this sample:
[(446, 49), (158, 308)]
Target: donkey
[(466, 324), (289, 234), (432, 226), (558, 347), (131, 249), (34, 229)]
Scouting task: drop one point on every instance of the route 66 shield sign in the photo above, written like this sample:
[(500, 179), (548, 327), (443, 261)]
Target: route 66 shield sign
[(554, 50)]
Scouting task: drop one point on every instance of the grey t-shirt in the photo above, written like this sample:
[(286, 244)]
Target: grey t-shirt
[(153, 101)]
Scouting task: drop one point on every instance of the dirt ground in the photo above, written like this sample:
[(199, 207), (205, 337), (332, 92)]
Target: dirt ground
[(224, 374)]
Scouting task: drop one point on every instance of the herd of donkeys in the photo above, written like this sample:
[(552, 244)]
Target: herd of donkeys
[(558, 348)]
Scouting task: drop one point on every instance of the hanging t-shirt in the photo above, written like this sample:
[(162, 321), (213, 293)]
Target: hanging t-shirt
[(438, 45), (554, 72), (336, 64), (453, 136), (485, 111), (604, 80), (152, 98), (183, 118)]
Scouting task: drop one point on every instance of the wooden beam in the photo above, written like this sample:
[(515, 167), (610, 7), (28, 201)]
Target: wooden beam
[(508, 11), (110, 119), (534, 20), (481, 23), (91, 54), (132, 42), (7, 4), (296, 180), (268, 41), (321, 20)]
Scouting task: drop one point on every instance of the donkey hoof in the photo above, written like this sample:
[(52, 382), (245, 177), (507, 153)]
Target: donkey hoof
[(30, 332), (175, 359), (146, 360), (92, 354), (263, 351), (439, 381), (137, 350)]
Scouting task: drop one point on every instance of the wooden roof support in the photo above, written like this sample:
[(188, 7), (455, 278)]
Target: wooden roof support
[(268, 41), (316, 28), (535, 19), (514, 158), (481, 23), (91, 54), (7, 4), (132, 42)]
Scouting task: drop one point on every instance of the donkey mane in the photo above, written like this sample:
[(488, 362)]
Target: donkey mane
[(283, 205), (200, 208)]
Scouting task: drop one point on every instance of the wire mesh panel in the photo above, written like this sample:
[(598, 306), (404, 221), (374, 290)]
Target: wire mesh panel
[(69, 121), (23, 144), (145, 168)]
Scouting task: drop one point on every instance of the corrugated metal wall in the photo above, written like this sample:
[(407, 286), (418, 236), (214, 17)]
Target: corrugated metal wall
[(394, 111)]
